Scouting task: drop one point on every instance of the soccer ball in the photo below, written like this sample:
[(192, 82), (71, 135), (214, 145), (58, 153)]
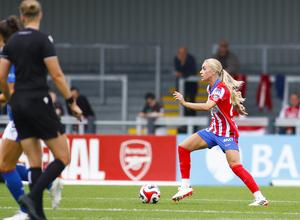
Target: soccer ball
[(149, 193)]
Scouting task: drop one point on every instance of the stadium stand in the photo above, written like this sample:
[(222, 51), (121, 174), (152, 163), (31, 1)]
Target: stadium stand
[(139, 84)]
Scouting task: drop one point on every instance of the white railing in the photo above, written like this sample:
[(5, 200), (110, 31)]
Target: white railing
[(190, 122), (288, 122), (139, 123), (104, 47), (252, 121), (122, 78), (69, 121)]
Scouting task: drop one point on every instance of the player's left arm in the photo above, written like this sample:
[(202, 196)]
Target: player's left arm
[(195, 106), (4, 70)]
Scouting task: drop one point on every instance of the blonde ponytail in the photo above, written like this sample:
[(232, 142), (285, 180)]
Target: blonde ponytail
[(231, 84)]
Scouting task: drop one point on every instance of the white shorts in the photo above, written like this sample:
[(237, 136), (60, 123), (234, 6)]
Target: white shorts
[(10, 132)]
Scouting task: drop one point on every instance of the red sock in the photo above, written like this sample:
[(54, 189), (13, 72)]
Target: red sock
[(185, 162), (245, 177)]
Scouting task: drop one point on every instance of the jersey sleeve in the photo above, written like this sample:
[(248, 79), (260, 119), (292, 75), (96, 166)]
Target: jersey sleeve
[(11, 78), (218, 95), (5, 52), (48, 47)]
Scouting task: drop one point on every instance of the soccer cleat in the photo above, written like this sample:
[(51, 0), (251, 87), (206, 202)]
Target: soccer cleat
[(182, 192), (28, 204), (55, 192), (18, 216), (259, 202)]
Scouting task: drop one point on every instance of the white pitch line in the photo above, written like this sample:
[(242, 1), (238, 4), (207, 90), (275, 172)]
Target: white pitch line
[(207, 200), (229, 200), (168, 210)]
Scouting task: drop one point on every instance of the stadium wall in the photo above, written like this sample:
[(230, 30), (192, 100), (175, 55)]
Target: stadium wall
[(169, 23)]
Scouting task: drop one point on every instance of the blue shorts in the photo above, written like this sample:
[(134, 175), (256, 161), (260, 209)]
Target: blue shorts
[(225, 143)]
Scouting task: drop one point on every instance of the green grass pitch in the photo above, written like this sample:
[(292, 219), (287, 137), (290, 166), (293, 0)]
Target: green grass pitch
[(122, 202)]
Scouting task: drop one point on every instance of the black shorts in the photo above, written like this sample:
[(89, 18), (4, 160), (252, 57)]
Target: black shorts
[(35, 117)]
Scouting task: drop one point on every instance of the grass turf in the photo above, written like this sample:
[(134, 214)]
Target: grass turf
[(122, 202)]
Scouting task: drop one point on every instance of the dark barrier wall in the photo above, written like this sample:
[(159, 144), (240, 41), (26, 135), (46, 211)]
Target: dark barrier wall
[(169, 23)]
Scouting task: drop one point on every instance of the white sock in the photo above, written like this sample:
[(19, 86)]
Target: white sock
[(258, 194), (185, 183)]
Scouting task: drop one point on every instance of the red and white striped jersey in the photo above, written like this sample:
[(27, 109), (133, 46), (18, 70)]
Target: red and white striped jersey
[(222, 123)]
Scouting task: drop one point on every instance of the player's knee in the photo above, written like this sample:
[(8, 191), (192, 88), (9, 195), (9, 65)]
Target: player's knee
[(1, 166), (66, 159), (5, 166), (233, 163)]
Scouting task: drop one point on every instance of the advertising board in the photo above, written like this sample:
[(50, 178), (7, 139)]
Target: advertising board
[(268, 158), (118, 157)]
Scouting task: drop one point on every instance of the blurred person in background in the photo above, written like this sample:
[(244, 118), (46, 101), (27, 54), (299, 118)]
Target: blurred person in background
[(290, 111), (86, 108), (152, 110), (228, 60), (185, 66), (11, 149)]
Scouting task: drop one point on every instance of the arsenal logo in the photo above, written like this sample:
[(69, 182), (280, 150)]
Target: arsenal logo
[(135, 158)]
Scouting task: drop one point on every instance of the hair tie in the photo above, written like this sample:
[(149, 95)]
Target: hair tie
[(221, 71), (7, 20)]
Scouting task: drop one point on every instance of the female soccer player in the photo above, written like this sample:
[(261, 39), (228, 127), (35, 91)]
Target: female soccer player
[(33, 53), (11, 149), (222, 95)]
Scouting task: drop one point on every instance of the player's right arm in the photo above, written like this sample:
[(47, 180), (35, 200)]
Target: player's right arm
[(11, 87), (241, 109), (195, 106)]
